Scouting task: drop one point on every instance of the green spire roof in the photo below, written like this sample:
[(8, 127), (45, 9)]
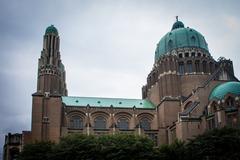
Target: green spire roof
[(180, 37), (51, 29), (221, 90), (107, 102)]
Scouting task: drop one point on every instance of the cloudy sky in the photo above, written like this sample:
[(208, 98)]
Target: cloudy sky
[(107, 46)]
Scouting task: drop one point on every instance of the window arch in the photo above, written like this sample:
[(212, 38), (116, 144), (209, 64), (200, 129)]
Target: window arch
[(145, 124), (76, 122), (100, 123), (123, 123)]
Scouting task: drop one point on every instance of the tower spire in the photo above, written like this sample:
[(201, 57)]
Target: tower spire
[(176, 18), (51, 72)]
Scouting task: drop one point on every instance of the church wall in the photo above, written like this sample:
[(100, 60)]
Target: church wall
[(168, 112), (54, 113), (46, 118), (37, 112), (189, 82)]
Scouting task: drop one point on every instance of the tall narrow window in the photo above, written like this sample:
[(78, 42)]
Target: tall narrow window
[(181, 68), (100, 123), (197, 66), (122, 123), (76, 122), (145, 124), (211, 67), (193, 54), (204, 63), (189, 66)]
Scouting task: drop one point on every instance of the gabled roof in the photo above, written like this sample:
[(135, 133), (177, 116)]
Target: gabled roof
[(107, 102)]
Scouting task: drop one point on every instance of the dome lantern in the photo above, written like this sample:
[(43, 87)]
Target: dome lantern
[(51, 30)]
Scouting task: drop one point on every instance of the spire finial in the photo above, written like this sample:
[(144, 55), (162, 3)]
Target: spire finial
[(176, 18)]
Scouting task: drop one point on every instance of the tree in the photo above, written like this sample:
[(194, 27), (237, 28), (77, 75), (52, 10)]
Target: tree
[(107, 147), (220, 144), (37, 151), (175, 151)]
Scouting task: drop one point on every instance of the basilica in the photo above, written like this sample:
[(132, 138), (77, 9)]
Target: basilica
[(187, 92)]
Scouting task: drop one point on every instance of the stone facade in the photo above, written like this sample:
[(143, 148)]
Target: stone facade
[(177, 92)]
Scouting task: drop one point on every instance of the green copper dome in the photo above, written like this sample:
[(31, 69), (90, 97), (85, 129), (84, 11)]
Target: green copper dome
[(51, 29), (180, 37), (221, 90)]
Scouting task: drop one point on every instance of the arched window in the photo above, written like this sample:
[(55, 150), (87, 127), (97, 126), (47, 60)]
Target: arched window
[(189, 67), (76, 122), (180, 55), (230, 102), (211, 67), (197, 66), (145, 124), (181, 68), (100, 123), (193, 54), (122, 123)]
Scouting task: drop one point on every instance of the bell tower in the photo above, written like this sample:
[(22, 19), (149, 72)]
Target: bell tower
[(51, 72), (51, 85)]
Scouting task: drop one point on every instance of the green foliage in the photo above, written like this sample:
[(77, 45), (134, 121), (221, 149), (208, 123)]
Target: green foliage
[(37, 151), (175, 151), (218, 144)]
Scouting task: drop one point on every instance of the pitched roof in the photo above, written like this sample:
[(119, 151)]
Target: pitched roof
[(107, 102)]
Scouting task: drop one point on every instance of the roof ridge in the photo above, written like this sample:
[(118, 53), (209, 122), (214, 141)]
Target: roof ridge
[(105, 98)]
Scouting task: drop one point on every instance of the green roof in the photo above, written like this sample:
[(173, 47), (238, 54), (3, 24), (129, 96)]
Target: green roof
[(107, 102), (221, 90), (180, 37), (51, 29)]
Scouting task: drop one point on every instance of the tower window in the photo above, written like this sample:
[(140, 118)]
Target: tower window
[(181, 68), (199, 54), (100, 123), (187, 54), (204, 66), (122, 123), (180, 56), (197, 66), (193, 54), (189, 67), (211, 67)]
